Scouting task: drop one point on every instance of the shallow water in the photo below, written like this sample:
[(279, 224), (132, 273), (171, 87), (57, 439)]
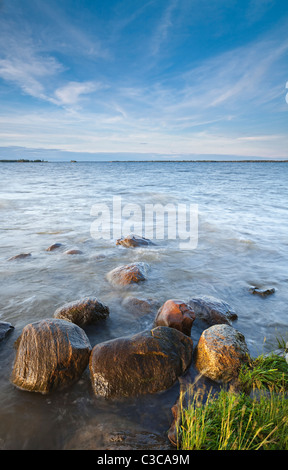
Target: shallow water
[(242, 241)]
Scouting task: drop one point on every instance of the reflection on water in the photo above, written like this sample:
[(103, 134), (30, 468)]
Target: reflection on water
[(242, 241)]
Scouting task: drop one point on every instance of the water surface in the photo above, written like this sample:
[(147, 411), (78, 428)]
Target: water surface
[(242, 242)]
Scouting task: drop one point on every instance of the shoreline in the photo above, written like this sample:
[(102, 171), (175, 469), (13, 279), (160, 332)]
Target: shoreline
[(145, 161)]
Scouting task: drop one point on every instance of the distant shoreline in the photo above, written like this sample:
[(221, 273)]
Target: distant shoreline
[(146, 161), (22, 160)]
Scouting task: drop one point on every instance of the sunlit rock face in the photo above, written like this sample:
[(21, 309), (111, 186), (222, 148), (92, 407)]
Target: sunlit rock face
[(147, 362), (220, 352), (51, 354)]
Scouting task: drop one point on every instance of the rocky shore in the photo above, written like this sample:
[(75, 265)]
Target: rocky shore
[(53, 353)]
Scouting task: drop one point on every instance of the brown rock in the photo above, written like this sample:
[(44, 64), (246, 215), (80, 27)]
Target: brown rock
[(83, 312), (128, 274), (134, 241), (55, 246), (147, 362), (51, 354), (176, 314), (220, 352), (21, 256), (73, 252)]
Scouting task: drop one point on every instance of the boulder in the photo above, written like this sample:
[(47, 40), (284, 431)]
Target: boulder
[(128, 274), (212, 310), (83, 312), (134, 241), (5, 329), (147, 362), (220, 352), (176, 314), (51, 354)]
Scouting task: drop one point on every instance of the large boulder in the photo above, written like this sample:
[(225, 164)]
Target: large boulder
[(51, 354), (147, 362), (212, 311), (220, 352), (5, 329), (128, 274), (134, 241), (83, 312), (176, 314)]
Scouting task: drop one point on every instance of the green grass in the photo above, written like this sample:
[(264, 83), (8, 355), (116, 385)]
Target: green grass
[(256, 418)]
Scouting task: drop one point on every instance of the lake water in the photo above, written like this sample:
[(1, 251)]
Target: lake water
[(242, 242)]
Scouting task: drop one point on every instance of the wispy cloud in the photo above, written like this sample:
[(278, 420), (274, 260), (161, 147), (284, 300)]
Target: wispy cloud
[(162, 30), (70, 93), (29, 72)]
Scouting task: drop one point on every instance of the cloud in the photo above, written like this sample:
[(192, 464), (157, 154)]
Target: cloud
[(166, 22), (70, 93), (28, 72)]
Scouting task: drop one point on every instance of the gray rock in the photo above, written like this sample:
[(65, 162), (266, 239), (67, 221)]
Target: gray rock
[(5, 329), (262, 292), (212, 310)]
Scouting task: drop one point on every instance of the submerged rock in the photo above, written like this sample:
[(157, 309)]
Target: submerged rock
[(116, 435), (212, 310), (134, 241), (140, 306), (262, 292), (148, 362), (20, 256), (83, 312), (53, 247), (51, 354), (220, 352), (128, 274), (73, 252), (5, 329), (176, 314)]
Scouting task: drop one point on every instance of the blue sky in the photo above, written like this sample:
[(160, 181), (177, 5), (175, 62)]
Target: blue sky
[(143, 79)]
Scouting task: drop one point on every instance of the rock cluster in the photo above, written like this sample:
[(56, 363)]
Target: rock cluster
[(53, 353)]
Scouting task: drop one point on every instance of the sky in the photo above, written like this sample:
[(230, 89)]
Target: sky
[(140, 79)]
